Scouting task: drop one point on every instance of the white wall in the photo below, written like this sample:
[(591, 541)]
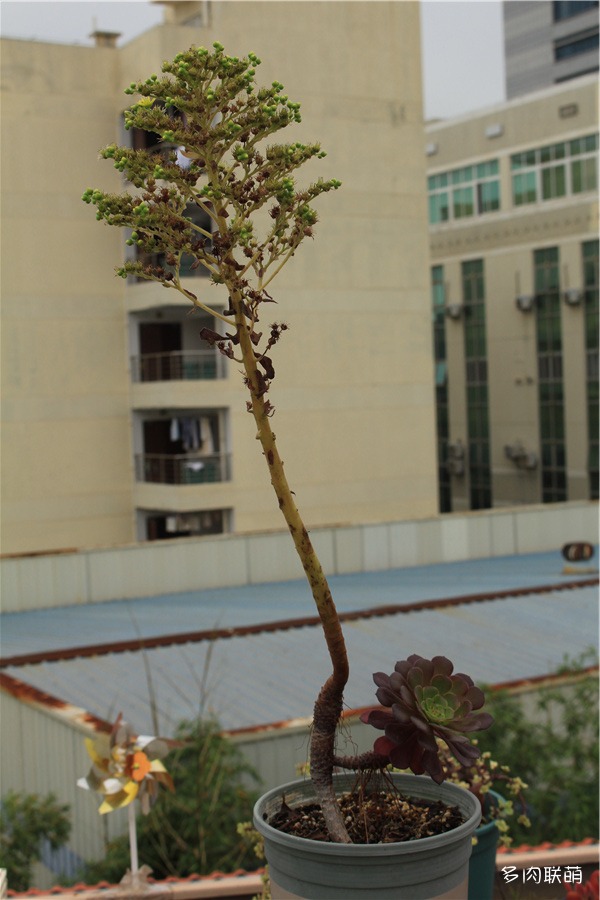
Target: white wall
[(149, 569)]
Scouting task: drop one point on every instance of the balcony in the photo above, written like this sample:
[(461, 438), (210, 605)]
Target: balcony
[(178, 365), (187, 469)]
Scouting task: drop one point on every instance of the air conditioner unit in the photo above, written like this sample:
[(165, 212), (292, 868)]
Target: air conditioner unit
[(573, 297), (494, 130), (525, 302), (454, 310), (522, 458), (455, 464)]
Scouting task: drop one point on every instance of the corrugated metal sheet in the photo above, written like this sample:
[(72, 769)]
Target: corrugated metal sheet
[(272, 676), (76, 626)]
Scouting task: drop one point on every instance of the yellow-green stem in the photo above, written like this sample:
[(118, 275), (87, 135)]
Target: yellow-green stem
[(328, 707)]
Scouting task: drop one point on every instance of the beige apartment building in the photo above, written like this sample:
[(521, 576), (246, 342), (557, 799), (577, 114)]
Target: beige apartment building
[(513, 210), (118, 424)]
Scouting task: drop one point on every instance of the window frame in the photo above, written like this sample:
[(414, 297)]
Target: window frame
[(535, 173), (458, 193)]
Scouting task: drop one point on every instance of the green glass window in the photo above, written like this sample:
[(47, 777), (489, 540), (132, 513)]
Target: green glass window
[(439, 209), (461, 175), (438, 299), (476, 190), (437, 181), (555, 171), (590, 281), (473, 289), (488, 196), (488, 169), (462, 202), (550, 375), (583, 145), (556, 151), (584, 175), (524, 188), (553, 182)]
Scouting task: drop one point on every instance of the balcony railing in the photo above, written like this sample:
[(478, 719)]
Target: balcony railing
[(178, 366), (163, 468)]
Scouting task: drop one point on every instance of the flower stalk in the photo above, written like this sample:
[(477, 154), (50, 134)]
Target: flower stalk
[(206, 105)]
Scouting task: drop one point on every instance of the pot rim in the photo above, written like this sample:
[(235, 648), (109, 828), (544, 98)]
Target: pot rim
[(469, 807)]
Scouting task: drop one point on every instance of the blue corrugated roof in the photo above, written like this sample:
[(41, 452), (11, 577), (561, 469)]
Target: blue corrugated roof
[(121, 620), (261, 678)]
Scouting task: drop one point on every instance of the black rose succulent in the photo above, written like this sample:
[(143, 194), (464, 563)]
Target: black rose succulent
[(423, 701)]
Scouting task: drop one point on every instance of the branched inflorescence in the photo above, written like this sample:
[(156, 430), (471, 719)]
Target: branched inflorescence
[(213, 123)]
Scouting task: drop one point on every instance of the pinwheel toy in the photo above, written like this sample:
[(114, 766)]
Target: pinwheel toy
[(126, 766)]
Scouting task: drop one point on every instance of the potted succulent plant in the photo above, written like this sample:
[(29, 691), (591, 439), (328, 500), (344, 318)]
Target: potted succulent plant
[(207, 105)]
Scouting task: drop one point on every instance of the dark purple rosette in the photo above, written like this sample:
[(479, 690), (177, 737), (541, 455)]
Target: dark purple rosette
[(423, 700)]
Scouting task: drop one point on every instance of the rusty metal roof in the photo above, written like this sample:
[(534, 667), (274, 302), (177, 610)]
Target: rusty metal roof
[(252, 677)]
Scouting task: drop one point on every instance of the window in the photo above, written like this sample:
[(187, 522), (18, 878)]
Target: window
[(565, 9), (465, 192), (557, 170), (583, 175), (524, 188), (550, 376), (590, 283), (168, 347), (439, 210), (488, 196), (441, 386), (584, 42), (480, 483), (160, 526), (186, 448), (462, 202), (553, 182)]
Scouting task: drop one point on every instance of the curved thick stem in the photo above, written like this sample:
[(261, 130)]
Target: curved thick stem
[(328, 706), (369, 761)]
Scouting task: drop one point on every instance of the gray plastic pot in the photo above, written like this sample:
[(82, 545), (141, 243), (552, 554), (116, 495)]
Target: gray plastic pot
[(424, 869)]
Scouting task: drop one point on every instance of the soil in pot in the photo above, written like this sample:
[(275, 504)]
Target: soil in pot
[(378, 817)]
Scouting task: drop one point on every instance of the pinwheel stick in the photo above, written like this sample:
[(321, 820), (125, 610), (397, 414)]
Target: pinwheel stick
[(133, 848)]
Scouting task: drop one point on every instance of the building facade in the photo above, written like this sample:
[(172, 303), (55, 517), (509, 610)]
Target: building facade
[(547, 42), (118, 424), (513, 215)]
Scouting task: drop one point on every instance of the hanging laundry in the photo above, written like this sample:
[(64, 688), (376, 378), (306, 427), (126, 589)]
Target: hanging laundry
[(190, 434), (174, 433), (208, 441)]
